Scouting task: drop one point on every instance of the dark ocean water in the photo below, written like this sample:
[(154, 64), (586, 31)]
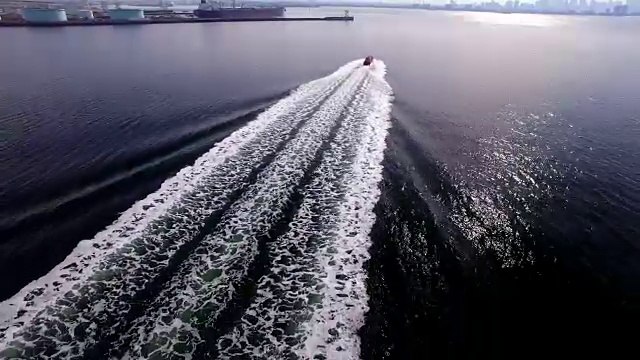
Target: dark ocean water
[(507, 222)]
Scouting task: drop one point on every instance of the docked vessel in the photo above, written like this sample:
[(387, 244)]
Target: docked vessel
[(216, 10)]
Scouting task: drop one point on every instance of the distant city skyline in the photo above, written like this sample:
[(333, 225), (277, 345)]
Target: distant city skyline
[(613, 7)]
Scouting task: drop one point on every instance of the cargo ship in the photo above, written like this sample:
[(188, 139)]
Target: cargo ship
[(217, 11)]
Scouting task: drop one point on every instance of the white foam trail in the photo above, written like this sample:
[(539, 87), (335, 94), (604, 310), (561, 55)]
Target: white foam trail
[(207, 281), (332, 331), (284, 295), (317, 264), (107, 267)]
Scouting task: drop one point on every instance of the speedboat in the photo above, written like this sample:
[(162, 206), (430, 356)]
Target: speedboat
[(368, 60)]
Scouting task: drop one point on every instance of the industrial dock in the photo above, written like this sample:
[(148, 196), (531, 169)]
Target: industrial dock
[(163, 21), (59, 17)]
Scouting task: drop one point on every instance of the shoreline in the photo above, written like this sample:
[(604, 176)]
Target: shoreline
[(165, 21)]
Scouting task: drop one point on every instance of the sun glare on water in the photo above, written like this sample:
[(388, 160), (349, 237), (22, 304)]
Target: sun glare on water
[(537, 20)]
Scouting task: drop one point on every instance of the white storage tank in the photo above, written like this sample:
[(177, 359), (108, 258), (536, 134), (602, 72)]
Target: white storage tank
[(126, 14), (44, 15)]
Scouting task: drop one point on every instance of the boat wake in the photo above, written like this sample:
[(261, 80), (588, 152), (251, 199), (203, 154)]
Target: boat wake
[(257, 249)]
